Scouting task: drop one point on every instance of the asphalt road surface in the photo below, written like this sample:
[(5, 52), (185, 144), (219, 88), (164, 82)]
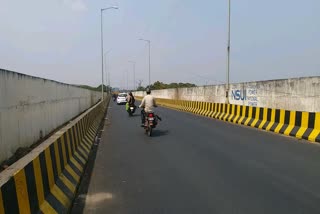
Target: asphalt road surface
[(194, 164)]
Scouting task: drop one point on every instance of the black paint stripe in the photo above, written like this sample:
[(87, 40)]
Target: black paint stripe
[(79, 161), (84, 144), (287, 117), (277, 116), (268, 119), (44, 173), (261, 113), (254, 111), (9, 197), (79, 132), (54, 162), (69, 177), (294, 131), (55, 204), (61, 153), (32, 188), (298, 118), (269, 114), (274, 126), (75, 169), (81, 128), (82, 155), (65, 189), (66, 146), (73, 130), (307, 133), (247, 112), (258, 124), (266, 125), (251, 121), (71, 141), (311, 120), (318, 138), (283, 129)]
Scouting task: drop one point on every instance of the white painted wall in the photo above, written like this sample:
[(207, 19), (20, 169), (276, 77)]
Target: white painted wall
[(30, 106), (300, 94)]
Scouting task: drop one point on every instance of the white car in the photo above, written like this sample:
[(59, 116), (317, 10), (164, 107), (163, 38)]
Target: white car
[(121, 99)]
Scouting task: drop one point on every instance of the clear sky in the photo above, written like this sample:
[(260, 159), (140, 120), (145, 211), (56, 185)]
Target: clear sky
[(60, 39)]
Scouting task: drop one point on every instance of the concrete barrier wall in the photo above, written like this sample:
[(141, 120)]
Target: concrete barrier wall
[(299, 94), (31, 108), (305, 125), (46, 180)]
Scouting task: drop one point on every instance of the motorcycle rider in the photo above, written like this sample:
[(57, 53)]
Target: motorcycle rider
[(130, 99), (148, 103)]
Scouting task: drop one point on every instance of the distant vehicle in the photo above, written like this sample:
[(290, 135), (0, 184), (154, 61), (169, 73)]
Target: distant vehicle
[(121, 99)]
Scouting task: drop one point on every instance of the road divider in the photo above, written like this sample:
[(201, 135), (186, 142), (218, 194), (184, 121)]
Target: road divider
[(302, 125), (46, 179)]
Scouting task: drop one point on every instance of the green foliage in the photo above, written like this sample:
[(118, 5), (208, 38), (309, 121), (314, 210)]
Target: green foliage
[(160, 85)]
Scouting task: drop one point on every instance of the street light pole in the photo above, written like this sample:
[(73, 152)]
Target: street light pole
[(134, 74), (101, 13), (149, 43), (228, 54), (106, 66)]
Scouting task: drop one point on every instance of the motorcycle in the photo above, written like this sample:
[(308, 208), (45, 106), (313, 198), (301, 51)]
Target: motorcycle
[(130, 109), (151, 121)]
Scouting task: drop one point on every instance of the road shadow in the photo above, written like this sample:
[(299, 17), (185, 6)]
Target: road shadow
[(159, 132)]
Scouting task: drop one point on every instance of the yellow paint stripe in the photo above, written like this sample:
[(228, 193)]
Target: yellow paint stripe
[(58, 194), (84, 150), (49, 167), (85, 154), (72, 173), (38, 180), (264, 120), (243, 114), (22, 192), (281, 121), (291, 123), (74, 130), (237, 114), (75, 162), (85, 141), (256, 117), (316, 130), (90, 136), (69, 145), (73, 140), (216, 110), (304, 124), (80, 158), (68, 183), (1, 203), (227, 112), (86, 145), (64, 154), (57, 155), (249, 116), (46, 208), (91, 133), (273, 116)]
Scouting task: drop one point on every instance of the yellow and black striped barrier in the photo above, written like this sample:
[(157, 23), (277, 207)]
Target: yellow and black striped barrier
[(305, 125), (46, 180)]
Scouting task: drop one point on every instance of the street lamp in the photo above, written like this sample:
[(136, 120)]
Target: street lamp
[(134, 74), (228, 52), (106, 66), (103, 9), (149, 43)]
